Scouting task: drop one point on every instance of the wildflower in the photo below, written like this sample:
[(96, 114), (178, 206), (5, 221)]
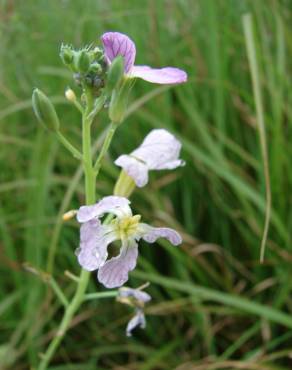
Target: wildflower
[(95, 238), (136, 298), (136, 321), (133, 297), (159, 151), (116, 44)]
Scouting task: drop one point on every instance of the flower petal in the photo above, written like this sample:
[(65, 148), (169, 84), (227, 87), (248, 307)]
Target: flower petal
[(134, 168), (116, 44), (94, 240), (167, 75), (114, 273), (137, 320), (139, 295), (119, 206), (151, 234), (160, 150)]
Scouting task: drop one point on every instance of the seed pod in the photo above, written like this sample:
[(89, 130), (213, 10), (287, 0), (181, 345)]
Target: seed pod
[(45, 111)]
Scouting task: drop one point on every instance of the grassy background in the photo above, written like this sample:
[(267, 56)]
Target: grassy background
[(214, 306)]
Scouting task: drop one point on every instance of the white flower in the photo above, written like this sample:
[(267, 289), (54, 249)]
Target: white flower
[(95, 238), (159, 151)]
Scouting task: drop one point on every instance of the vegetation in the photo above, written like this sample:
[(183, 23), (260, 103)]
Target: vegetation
[(214, 305)]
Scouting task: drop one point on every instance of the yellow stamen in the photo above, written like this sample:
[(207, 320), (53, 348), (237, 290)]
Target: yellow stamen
[(127, 226)]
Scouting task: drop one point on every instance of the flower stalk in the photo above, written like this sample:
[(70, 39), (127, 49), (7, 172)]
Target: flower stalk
[(90, 175), (106, 77)]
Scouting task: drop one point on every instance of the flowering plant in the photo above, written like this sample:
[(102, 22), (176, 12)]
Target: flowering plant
[(105, 76)]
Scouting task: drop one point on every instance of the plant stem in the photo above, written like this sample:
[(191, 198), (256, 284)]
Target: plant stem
[(75, 152), (67, 318), (104, 149), (90, 179), (58, 291), (99, 295)]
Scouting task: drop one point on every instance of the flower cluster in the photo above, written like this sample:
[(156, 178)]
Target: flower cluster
[(159, 150), (105, 76)]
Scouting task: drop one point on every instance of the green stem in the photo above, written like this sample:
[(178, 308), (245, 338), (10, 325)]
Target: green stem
[(91, 296), (58, 291), (78, 106), (75, 152), (87, 162), (104, 149), (67, 318), (90, 179)]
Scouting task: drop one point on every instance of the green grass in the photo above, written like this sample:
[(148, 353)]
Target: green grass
[(214, 305)]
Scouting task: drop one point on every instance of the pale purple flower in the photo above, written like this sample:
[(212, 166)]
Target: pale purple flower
[(116, 44), (95, 238), (132, 296), (136, 321), (159, 151), (136, 298)]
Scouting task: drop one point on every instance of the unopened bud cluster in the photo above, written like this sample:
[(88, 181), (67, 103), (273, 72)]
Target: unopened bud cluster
[(88, 65)]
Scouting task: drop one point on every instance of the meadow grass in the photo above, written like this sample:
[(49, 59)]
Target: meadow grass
[(214, 305)]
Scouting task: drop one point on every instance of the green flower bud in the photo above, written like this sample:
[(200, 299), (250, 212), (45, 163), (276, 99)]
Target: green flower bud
[(45, 111), (115, 73), (96, 52), (67, 54), (82, 61), (119, 101), (95, 68)]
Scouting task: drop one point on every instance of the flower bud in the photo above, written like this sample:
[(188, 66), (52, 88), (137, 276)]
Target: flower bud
[(82, 61), (45, 111), (66, 54), (95, 68), (97, 52), (70, 95), (115, 73), (119, 101), (69, 215)]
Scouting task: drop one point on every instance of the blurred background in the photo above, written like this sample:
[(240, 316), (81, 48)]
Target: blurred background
[(214, 305)]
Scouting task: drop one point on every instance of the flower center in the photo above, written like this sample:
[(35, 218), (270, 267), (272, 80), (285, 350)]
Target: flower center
[(127, 226)]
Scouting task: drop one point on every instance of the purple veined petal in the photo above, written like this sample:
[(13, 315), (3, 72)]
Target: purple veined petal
[(116, 44), (162, 76), (94, 240), (137, 321), (134, 168), (159, 150), (115, 272), (151, 234), (119, 206), (139, 295)]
